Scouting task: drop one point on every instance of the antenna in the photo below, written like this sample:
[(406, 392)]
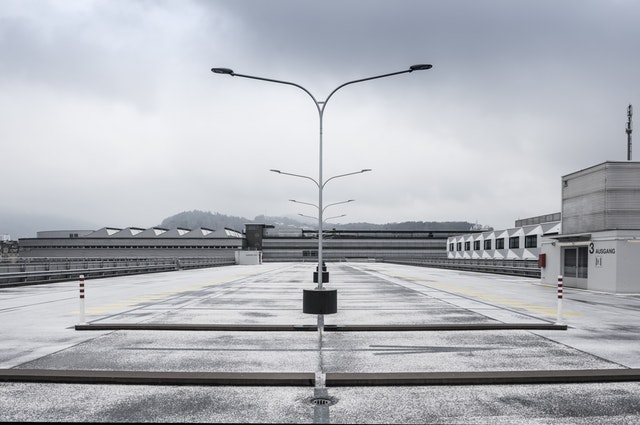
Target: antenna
[(629, 115)]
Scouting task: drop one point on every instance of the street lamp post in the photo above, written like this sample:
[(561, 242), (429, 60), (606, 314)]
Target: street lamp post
[(321, 209), (320, 106)]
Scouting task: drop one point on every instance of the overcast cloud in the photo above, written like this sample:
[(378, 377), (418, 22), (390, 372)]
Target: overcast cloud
[(109, 112)]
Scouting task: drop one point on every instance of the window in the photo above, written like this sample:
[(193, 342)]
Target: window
[(531, 241), (514, 242), (459, 246), (500, 243), (575, 262), (451, 246), (467, 246), (487, 244), (476, 245)]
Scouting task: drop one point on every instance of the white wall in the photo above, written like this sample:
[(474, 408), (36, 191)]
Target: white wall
[(613, 262), (549, 273), (248, 257)]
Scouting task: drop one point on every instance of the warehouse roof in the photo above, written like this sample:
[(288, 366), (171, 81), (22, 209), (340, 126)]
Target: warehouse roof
[(137, 232)]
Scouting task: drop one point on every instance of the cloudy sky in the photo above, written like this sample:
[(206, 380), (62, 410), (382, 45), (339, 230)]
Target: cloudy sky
[(110, 114)]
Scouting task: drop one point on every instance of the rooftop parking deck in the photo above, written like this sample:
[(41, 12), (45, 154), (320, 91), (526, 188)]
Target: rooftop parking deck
[(231, 344)]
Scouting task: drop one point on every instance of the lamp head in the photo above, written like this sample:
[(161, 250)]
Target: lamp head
[(227, 71), (420, 67)]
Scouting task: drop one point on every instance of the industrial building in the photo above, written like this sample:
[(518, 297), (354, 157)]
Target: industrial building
[(274, 244), (339, 245), (133, 242), (599, 246), (593, 243), (521, 242)]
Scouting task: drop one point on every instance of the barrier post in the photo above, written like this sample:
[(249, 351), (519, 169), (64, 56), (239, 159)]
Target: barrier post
[(560, 293), (82, 320)]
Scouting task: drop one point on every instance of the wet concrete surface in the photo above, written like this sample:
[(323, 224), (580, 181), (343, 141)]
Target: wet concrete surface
[(601, 335)]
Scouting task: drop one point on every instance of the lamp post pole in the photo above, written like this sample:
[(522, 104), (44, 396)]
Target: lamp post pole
[(320, 106)]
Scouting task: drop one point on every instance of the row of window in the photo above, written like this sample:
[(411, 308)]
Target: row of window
[(530, 241), (130, 247), (355, 253)]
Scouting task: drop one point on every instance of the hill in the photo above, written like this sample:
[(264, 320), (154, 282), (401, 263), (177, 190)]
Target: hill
[(195, 218)]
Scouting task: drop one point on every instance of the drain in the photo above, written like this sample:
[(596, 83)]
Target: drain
[(322, 401)]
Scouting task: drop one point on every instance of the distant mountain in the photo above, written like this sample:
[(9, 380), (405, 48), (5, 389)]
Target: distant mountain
[(16, 226), (195, 218), (411, 225)]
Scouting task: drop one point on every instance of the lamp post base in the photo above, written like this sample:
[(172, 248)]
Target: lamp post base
[(325, 277), (325, 273), (320, 301)]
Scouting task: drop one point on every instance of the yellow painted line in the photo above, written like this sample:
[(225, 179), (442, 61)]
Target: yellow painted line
[(498, 299), (107, 308)]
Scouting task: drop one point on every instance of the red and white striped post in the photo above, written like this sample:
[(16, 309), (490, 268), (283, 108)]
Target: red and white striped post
[(82, 321), (560, 291)]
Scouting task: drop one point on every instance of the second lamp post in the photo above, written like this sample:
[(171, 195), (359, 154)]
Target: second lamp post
[(320, 106)]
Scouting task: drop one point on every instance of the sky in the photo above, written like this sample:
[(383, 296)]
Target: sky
[(110, 115)]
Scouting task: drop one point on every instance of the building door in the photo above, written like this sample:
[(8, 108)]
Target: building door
[(575, 266)]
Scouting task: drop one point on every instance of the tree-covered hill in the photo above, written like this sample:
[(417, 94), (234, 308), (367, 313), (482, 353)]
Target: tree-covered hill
[(194, 219)]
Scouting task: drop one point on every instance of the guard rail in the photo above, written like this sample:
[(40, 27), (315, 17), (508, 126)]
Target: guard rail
[(526, 268), (30, 271)]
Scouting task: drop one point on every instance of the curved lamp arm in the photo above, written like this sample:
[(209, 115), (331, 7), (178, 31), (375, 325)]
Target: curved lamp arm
[(297, 175), (346, 174), (320, 105), (327, 206)]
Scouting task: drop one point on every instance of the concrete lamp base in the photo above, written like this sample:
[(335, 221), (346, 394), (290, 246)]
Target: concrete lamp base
[(325, 277), (320, 301)]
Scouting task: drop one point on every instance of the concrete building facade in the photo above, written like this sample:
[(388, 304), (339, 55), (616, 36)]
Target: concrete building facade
[(272, 244), (599, 246), (133, 242), (521, 242)]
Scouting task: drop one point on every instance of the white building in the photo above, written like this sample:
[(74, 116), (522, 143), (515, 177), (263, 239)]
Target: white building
[(522, 242), (599, 246), (134, 242), (594, 243)]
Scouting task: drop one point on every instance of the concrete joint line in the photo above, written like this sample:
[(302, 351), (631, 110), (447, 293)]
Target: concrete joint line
[(327, 328), (119, 377), (101, 377)]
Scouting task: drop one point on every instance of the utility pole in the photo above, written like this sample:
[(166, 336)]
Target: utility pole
[(629, 114)]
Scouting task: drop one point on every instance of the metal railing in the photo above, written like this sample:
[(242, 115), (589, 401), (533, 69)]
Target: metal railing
[(526, 268), (32, 271)]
